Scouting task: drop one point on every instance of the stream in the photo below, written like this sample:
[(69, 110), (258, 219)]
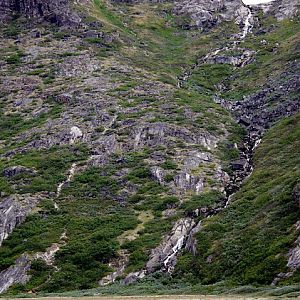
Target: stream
[(164, 257)]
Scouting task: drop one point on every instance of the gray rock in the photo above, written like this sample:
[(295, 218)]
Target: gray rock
[(185, 181), (158, 174), (207, 14), (65, 98), (241, 164), (16, 274), (240, 59), (165, 255), (154, 134), (281, 9), (13, 211), (134, 276), (55, 11), (17, 170), (93, 34)]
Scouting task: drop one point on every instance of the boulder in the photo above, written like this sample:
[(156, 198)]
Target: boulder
[(240, 164), (17, 170)]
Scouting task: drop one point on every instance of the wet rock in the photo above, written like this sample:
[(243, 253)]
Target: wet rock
[(191, 243), (241, 164), (245, 121), (165, 255)]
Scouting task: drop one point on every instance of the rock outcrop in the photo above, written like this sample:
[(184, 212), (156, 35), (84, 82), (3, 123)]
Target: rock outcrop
[(281, 9), (207, 14), (13, 211), (19, 272), (55, 11), (164, 256), (17, 170), (15, 274)]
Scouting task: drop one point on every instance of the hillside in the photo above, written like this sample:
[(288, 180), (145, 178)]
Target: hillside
[(149, 144)]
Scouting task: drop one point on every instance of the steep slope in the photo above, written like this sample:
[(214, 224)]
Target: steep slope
[(242, 244), (120, 139)]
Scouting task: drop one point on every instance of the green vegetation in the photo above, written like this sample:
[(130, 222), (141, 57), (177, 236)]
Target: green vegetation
[(143, 51), (272, 58), (14, 123), (209, 200), (49, 166)]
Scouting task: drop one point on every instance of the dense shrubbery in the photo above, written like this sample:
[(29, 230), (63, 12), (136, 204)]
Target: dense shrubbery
[(50, 165)]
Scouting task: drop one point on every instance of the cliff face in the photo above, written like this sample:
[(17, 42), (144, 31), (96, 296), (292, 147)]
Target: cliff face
[(57, 11), (281, 9), (209, 13)]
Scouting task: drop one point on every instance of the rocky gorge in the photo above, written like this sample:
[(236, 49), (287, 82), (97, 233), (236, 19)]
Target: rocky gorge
[(113, 112)]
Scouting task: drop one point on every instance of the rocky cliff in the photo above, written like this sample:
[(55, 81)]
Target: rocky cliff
[(207, 14), (57, 12)]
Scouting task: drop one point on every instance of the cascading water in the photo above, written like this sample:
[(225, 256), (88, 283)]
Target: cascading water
[(182, 236), (247, 24)]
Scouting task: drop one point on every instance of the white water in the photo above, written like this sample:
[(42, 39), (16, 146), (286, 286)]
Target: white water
[(257, 143), (178, 246), (247, 26)]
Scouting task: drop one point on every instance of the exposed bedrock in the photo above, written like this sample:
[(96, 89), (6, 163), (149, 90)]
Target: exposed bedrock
[(207, 14), (164, 257), (281, 9), (13, 211), (15, 274), (55, 11), (19, 272)]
